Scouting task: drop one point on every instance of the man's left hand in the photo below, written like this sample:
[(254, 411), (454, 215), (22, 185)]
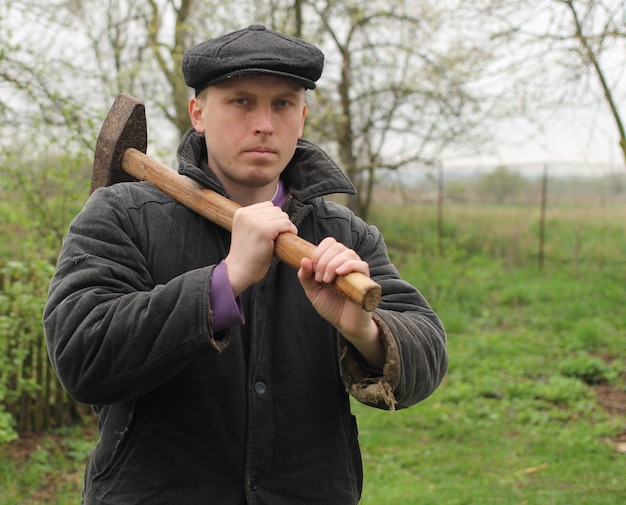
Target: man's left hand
[(329, 260)]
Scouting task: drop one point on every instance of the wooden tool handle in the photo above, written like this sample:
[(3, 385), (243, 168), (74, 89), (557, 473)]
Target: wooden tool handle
[(288, 247)]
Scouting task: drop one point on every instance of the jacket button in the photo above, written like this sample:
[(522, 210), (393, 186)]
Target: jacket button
[(260, 387)]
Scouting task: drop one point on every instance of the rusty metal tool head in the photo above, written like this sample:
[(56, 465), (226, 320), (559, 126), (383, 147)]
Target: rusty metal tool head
[(124, 127)]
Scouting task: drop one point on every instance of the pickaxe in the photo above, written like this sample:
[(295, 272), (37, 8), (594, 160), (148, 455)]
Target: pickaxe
[(120, 157)]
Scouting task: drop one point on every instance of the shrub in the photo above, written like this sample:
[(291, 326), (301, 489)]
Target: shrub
[(30, 396), (590, 369)]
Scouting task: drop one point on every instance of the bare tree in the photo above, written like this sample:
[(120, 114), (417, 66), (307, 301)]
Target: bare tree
[(169, 58), (32, 104), (592, 45), (397, 89), (569, 51), (138, 48), (397, 92)]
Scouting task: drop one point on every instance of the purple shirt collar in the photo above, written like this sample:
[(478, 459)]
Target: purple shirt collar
[(281, 194)]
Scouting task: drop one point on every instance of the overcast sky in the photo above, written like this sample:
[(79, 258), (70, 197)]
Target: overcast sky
[(570, 139)]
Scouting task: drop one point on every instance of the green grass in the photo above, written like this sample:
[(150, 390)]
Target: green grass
[(45, 469), (517, 419)]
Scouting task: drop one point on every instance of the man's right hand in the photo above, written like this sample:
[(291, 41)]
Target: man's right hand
[(255, 228)]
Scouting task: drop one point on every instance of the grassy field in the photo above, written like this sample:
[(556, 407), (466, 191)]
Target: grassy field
[(525, 415), (533, 409)]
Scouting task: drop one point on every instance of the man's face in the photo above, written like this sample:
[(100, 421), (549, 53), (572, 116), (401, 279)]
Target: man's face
[(251, 125)]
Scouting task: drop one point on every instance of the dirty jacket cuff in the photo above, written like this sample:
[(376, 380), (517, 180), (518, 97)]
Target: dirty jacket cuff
[(367, 386)]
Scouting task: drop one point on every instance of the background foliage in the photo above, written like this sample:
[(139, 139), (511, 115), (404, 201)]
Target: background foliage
[(406, 84), (532, 409)]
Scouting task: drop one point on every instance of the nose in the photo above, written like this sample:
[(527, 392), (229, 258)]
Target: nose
[(263, 121)]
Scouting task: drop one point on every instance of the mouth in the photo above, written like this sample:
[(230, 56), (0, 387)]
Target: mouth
[(261, 153), (261, 150)]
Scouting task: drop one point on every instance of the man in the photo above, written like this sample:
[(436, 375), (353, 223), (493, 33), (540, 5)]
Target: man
[(219, 374)]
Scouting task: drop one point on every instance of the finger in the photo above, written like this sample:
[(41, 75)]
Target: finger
[(322, 248), (264, 216), (306, 272), (353, 265), (332, 259), (307, 280), (343, 264), (324, 268), (280, 219)]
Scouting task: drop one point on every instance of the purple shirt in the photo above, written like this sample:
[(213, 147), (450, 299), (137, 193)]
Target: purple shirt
[(227, 310)]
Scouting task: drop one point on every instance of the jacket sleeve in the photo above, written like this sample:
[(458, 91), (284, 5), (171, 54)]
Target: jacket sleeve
[(111, 333), (413, 336)]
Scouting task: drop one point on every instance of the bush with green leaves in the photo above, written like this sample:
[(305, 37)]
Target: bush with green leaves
[(26, 381), (40, 193)]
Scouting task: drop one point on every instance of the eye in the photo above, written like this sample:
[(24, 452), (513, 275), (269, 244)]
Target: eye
[(283, 103), (241, 101)]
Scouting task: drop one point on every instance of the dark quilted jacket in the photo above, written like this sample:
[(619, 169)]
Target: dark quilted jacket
[(257, 414)]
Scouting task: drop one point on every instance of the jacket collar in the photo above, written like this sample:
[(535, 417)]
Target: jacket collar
[(311, 172)]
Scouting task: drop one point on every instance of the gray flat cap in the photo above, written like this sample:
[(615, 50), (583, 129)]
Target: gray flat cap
[(253, 50)]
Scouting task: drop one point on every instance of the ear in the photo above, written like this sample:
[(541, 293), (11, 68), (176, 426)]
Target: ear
[(195, 114), (302, 120)]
